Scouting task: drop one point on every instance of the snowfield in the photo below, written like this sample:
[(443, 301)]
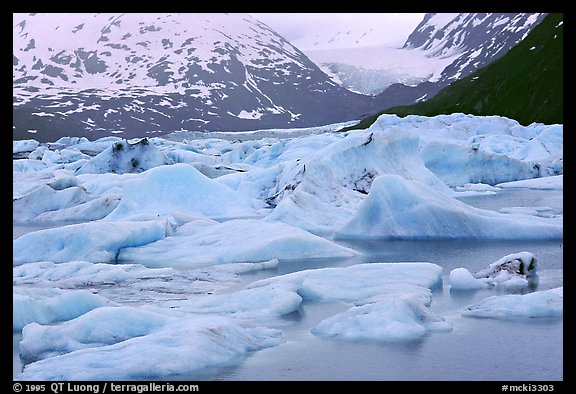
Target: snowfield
[(140, 246)]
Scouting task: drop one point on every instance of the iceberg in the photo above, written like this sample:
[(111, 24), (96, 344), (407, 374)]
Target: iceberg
[(24, 146), (461, 148), (513, 270), (44, 199), (523, 264), (179, 189), (329, 192), (202, 242), (462, 279), (386, 319), (136, 271), (50, 305), (125, 157), (132, 284), (389, 301), (147, 348), (458, 164), (93, 241), (546, 303), (98, 327), (259, 303), (399, 208)]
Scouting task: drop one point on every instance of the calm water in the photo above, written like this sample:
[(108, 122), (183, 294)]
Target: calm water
[(476, 348)]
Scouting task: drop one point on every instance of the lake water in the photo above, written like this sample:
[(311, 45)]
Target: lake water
[(476, 349)]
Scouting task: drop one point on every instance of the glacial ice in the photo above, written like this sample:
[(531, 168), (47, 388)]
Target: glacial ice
[(398, 208), (515, 270), (200, 242), (171, 346), (96, 241), (141, 250), (215, 329), (300, 181), (180, 189), (546, 303), (385, 319), (50, 305)]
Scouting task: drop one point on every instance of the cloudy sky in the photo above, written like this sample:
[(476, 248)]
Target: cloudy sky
[(393, 27)]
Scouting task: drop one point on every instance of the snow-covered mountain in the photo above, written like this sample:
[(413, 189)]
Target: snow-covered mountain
[(139, 73), (443, 47), (364, 53), (468, 41), (475, 38)]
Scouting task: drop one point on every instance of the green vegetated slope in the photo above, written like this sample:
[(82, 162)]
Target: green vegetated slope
[(526, 84)]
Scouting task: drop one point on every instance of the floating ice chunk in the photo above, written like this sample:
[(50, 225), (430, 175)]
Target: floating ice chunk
[(462, 279), (336, 179), (69, 141), (400, 208), (481, 188), (125, 157), (545, 183), (175, 348), (513, 271), (234, 241), (259, 302), (133, 284), (92, 241), (390, 299), (545, 303), (180, 188), (386, 319), (458, 164), (44, 199), (361, 282), (58, 197), (91, 210), (524, 264), (98, 327), (45, 305)]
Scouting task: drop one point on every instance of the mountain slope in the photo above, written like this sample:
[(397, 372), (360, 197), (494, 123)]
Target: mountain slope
[(475, 38), (135, 74), (526, 84), (469, 40)]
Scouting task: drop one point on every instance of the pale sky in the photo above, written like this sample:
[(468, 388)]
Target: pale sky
[(291, 26)]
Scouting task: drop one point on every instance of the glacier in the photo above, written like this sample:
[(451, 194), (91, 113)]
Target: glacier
[(187, 252)]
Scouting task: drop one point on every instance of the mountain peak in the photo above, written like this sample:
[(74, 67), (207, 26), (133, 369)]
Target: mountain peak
[(140, 73), (476, 38), (137, 50)]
